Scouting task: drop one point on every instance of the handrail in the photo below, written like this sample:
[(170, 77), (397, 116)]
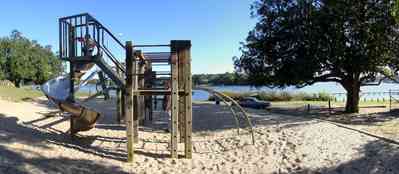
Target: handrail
[(73, 32), (233, 103), (113, 59), (101, 45), (106, 30)]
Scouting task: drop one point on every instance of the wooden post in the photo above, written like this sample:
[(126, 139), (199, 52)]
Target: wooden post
[(148, 85), (71, 45), (182, 99), (118, 101), (129, 101), (140, 84), (188, 101), (329, 106), (135, 102), (183, 47), (174, 105), (71, 64), (103, 85), (390, 100)]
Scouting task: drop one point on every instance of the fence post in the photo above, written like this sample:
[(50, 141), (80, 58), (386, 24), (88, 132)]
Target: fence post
[(390, 101), (329, 106)]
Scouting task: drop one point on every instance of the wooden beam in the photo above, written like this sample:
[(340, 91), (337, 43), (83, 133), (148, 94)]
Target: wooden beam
[(174, 105), (129, 101), (141, 83), (182, 99), (103, 85), (135, 103), (148, 85), (188, 99), (118, 102), (71, 49)]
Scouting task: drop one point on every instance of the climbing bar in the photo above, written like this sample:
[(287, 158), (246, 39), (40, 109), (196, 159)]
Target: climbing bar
[(151, 46)]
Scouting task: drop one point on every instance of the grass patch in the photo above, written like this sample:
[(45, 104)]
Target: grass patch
[(19, 94)]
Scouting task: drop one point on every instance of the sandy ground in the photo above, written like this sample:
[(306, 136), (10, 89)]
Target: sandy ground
[(33, 140)]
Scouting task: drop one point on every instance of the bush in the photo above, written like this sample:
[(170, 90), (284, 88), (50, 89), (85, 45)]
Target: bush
[(234, 95), (280, 96), (323, 96), (274, 96)]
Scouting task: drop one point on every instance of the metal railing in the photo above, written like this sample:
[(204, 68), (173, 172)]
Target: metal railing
[(74, 29)]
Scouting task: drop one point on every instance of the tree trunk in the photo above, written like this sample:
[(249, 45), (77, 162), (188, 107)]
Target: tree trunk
[(17, 83), (352, 97)]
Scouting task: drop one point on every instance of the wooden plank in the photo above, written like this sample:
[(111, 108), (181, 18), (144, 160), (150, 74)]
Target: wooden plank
[(188, 101), (141, 83), (129, 101), (148, 85), (182, 99), (71, 70), (174, 106), (135, 103)]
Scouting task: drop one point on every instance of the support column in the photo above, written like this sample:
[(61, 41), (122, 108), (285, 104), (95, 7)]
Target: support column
[(103, 85), (136, 104), (186, 56), (71, 55), (129, 101), (148, 85), (140, 85), (174, 105), (182, 98), (118, 101)]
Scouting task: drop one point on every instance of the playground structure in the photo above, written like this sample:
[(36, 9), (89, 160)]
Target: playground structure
[(84, 43)]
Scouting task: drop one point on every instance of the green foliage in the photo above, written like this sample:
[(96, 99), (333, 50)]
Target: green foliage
[(18, 94), (301, 42), (279, 96), (219, 79), (234, 95), (24, 60), (275, 96)]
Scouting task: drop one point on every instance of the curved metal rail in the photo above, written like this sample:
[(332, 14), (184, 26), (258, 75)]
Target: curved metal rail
[(225, 99)]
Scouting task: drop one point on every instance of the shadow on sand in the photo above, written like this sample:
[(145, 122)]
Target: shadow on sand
[(376, 157), (16, 161)]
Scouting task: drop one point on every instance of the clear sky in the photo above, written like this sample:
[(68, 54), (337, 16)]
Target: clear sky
[(215, 27)]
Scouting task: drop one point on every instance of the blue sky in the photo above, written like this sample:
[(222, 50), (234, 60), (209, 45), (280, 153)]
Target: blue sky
[(215, 26)]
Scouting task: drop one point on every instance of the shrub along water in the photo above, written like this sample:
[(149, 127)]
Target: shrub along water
[(279, 96)]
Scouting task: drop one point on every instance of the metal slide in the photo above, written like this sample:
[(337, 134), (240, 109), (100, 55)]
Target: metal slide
[(57, 91)]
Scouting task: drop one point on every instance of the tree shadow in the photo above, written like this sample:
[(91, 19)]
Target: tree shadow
[(338, 115), (376, 157), (365, 119), (11, 131), (211, 117), (16, 163)]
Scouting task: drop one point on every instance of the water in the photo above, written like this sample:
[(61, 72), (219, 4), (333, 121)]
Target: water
[(327, 87)]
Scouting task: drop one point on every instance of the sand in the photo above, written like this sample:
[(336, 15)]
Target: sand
[(33, 140)]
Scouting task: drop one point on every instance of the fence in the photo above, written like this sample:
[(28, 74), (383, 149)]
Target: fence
[(389, 98)]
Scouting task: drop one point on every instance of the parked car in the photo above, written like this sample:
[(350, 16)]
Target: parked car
[(252, 102)]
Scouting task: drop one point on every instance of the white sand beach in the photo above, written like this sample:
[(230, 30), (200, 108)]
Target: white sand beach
[(34, 140)]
